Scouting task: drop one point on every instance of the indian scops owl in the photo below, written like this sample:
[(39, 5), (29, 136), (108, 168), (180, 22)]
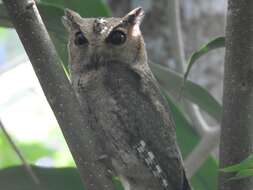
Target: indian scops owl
[(110, 74)]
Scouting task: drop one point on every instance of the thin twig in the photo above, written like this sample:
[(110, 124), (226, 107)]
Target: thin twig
[(197, 119), (26, 165), (201, 152), (194, 160)]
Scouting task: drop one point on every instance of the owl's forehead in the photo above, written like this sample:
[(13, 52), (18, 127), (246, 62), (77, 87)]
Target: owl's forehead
[(100, 26)]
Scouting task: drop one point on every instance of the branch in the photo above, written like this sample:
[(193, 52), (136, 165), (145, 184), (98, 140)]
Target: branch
[(236, 131), (199, 122), (58, 91), (202, 151), (27, 167)]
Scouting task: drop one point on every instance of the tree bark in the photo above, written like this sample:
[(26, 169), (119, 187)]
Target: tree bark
[(236, 142), (59, 93)]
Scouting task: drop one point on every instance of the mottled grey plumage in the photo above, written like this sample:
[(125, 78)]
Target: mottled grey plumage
[(126, 109)]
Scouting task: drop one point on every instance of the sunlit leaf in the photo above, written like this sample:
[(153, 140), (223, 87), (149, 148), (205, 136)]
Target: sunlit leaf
[(7, 155), (3, 32), (34, 151), (216, 43), (31, 151)]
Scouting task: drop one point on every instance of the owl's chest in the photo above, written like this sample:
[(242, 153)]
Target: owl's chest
[(112, 95), (116, 102)]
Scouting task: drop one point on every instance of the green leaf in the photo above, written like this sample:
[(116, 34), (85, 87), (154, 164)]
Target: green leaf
[(206, 177), (218, 42), (172, 82), (90, 8), (31, 151), (244, 165), (3, 33), (243, 174), (16, 178), (8, 156), (117, 183)]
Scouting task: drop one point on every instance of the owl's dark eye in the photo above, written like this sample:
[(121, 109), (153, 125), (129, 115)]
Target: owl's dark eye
[(80, 39), (116, 37)]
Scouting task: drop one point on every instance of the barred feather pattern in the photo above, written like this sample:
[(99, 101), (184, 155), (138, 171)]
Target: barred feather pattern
[(150, 161)]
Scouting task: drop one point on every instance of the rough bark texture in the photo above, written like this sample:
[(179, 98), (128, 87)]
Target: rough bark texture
[(237, 131), (59, 93)]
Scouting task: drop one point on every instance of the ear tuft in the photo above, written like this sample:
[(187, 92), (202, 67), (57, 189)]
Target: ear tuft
[(135, 16), (71, 19)]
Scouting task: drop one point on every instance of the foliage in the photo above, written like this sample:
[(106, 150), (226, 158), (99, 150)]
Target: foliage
[(87, 8), (2, 32), (33, 151), (218, 42), (241, 170), (172, 82)]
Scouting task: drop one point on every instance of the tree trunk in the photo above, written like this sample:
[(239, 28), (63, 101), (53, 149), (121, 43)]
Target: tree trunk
[(236, 142), (60, 95)]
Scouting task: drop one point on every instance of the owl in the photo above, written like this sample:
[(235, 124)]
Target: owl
[(115, 87)]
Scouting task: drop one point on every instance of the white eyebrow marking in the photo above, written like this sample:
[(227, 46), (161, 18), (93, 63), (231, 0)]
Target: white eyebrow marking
[(99, 25), (136, 31), (152, 163)]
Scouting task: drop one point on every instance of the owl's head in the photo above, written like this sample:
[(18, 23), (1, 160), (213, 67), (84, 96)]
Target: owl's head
[(93, 41)]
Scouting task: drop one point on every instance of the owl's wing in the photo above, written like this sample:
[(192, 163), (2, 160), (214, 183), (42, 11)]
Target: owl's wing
[(163, 158), (159, 136)]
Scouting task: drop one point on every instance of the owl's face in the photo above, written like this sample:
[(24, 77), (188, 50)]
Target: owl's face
[(96, 41)]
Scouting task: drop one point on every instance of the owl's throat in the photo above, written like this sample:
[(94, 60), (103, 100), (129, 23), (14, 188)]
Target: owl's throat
[(94, 65), (99, 62), (106, 75)]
